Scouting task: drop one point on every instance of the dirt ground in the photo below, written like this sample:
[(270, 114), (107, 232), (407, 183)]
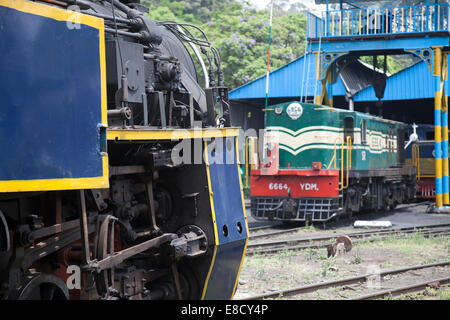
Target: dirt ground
[(272, 272)]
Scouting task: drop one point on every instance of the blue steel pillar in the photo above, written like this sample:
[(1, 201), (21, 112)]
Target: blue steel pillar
[(445, 162)]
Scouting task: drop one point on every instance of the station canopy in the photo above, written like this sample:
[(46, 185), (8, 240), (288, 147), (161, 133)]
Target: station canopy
[(379, 4)]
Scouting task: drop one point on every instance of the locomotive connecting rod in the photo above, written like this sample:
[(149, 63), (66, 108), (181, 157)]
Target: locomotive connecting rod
[(118, 257), (84, 229)]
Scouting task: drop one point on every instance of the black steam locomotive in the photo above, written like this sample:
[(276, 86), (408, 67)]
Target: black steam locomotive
[(107, 188)]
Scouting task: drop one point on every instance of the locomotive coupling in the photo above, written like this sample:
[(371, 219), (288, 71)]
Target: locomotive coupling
[(288, 205), (192, 242)]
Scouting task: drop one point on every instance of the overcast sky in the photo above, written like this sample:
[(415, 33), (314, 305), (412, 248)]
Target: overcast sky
[(260, 3)]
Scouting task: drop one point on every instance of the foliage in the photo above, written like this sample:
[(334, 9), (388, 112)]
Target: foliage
[(241, 35), (193, 11), (394, 63), (240, 32)]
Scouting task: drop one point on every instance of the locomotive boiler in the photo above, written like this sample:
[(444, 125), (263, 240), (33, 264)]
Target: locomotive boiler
[(111, 172)]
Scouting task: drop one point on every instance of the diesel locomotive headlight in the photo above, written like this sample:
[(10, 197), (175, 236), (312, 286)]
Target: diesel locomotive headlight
[(294, 110), (278, 110)]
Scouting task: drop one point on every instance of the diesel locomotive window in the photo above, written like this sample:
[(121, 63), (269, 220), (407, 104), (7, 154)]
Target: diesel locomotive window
[(349, 125), (364, 131)]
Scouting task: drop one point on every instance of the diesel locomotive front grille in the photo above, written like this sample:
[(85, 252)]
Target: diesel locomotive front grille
[(307, 209)]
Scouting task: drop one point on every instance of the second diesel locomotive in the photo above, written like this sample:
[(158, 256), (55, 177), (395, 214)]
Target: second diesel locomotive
[(322, 162), (420, 152)]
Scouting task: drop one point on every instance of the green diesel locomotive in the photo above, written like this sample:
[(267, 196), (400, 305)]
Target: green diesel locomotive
[(321, 162)]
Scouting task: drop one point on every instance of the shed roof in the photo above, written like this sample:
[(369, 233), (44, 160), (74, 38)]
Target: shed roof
[(286, 82), (414, 82)]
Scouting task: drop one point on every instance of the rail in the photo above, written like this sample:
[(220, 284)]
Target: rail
[(315, 242), (358, 279), (379, 21)]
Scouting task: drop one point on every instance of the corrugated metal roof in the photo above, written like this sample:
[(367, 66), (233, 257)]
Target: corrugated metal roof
[(286, 82), (414, 82), (357, 75)]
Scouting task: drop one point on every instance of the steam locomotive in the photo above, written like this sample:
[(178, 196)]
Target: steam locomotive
[(107, 185), (322, 163)]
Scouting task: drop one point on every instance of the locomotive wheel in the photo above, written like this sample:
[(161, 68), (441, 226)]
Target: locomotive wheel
[(190, 287), (42, 286), (4, 234), (169, 198), (105, 246), (189, 284), (393, 205)]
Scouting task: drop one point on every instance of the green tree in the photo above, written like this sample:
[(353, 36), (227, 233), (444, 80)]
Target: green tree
[(240, 32), (199, 11), (241, 35)]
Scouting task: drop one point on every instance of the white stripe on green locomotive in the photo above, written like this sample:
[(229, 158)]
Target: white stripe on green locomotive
[(309, 133)]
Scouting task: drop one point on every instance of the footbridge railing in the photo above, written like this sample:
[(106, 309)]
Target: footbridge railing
[(379, 21)]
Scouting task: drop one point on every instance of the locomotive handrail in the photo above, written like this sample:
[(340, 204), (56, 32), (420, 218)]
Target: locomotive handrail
[(253, 164), (335, 151), (349, 160), (415, 151), (342, 160), (246, 161)]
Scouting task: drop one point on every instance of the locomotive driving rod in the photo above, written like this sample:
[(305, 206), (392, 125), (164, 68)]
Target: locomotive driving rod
[(118, 257), (114, 259)]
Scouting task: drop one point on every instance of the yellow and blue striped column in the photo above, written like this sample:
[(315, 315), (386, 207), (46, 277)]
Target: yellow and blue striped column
[(318, 97), (445, 162), (437, 124)]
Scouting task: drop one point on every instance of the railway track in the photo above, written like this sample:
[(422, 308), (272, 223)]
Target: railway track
[(360, 279), (264, 227), (293, 230), (274, 246), (274, 233), (405, 289)]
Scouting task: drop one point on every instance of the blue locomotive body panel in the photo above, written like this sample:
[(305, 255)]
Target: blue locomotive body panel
[(227, 202), (52, 124)]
